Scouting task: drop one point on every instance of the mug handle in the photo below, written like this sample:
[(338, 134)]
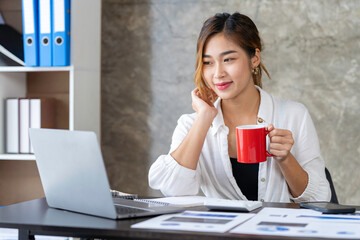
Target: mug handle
[(267, 152)]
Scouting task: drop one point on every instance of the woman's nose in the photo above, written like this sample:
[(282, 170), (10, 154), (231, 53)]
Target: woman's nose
[(219, 71)]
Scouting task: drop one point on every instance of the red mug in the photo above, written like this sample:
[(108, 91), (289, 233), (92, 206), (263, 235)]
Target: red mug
[(251, 144)]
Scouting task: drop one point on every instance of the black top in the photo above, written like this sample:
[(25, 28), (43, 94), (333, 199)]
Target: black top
[(246, 176)]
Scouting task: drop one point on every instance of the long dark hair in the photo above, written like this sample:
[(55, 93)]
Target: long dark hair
[(242, 31)]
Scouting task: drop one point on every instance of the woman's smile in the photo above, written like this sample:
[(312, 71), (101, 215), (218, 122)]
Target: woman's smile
[(223, 85)]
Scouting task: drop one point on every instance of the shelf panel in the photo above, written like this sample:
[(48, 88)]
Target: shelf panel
[(22, 157), (35, 69)]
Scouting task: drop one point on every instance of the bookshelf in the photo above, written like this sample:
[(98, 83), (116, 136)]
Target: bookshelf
[(76, 89), (33, 69)]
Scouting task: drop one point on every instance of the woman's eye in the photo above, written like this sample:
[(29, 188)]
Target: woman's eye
[(206, 63), (228, 59)]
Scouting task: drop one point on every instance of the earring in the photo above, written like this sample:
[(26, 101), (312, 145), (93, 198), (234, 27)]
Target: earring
[(255, 71)]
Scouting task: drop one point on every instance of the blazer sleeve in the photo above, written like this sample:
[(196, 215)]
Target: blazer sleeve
[(167, 175), (307, 153)]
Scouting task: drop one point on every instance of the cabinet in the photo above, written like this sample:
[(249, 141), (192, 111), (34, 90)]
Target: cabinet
[(76, 89)]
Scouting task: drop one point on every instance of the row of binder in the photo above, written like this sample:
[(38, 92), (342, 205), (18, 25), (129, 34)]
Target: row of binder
[(46, 32), (22, 114)]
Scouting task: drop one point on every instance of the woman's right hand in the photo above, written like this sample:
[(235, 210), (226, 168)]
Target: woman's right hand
[(187, 154), (202, 107)]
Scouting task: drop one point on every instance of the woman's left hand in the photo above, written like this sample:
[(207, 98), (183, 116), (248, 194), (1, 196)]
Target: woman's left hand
[(281, 142)]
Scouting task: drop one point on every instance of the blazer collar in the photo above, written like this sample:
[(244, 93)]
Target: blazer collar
[(218, 120)]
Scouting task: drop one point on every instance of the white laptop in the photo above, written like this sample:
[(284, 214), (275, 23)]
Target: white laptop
[(74, 178)]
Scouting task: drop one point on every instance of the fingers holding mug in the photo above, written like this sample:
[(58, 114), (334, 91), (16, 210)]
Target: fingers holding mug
[(281, 142)]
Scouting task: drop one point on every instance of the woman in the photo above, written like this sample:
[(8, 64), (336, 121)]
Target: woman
[(229, 94)]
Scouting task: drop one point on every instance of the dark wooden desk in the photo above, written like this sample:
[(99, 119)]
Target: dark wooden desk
[(36, 218)]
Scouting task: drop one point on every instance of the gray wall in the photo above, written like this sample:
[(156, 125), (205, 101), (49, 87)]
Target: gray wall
[(312, 51)]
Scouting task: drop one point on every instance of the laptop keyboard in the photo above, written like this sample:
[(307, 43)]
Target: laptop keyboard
[(126, 210)]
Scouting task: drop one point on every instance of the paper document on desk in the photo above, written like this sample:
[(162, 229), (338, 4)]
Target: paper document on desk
[(301, 223), (13, 234), (196, 221), (9, 233)]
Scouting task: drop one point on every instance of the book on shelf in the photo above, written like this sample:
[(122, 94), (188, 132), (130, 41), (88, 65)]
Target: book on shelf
[(24, 118), (12, 125), (22, 114), (42, 114), (11, 46)]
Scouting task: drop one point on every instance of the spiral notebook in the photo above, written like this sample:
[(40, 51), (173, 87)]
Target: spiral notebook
[(182, 201), (118, 194)]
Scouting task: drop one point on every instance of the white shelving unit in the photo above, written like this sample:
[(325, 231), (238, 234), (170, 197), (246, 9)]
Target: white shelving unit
[(76, 88), (13, 82), (83, 74), (20, 157), (35, 69)]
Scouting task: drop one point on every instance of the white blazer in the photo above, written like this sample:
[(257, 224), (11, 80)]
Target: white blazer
[(214, 171)]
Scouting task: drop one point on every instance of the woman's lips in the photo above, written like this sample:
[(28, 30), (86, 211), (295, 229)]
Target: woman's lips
[(223, 85)]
